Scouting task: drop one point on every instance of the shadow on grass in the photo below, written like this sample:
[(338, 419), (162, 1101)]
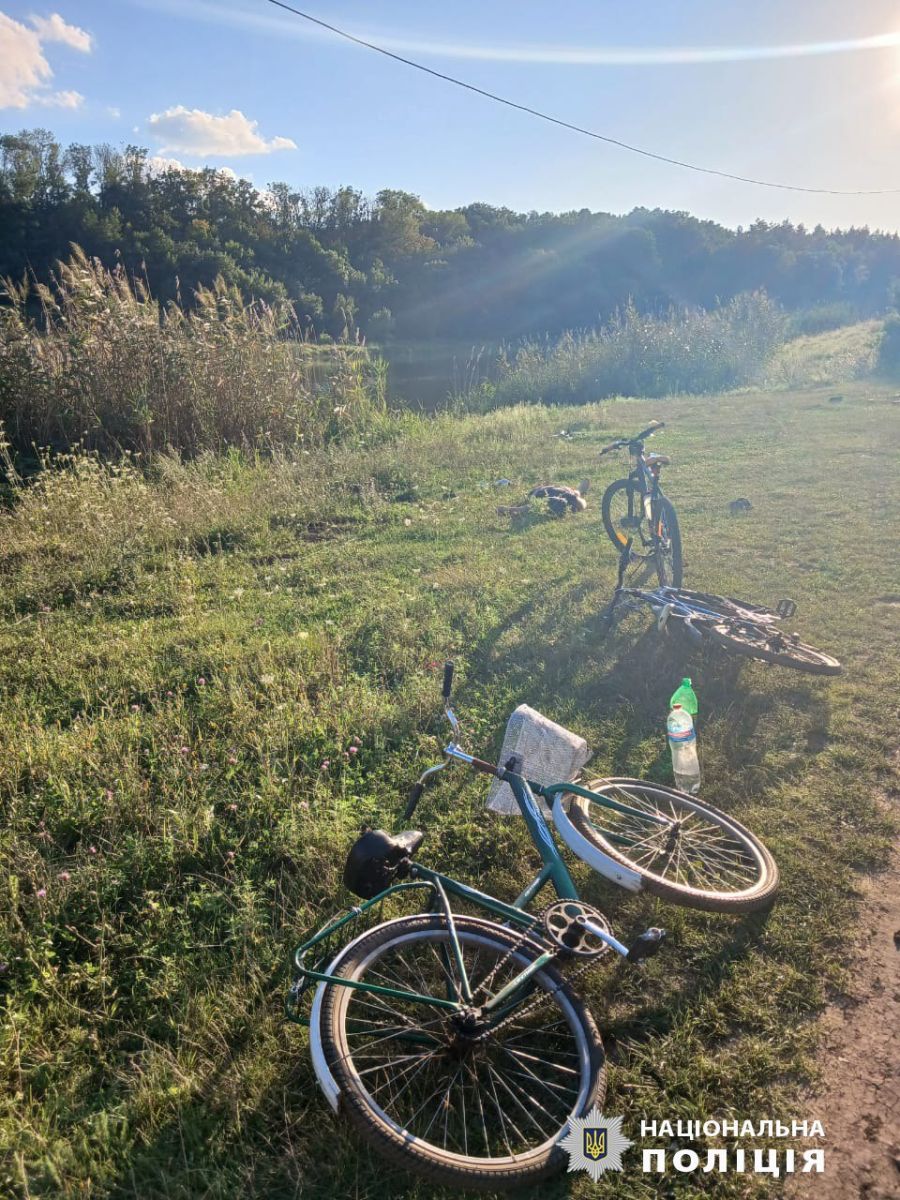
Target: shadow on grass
[(566, 662)]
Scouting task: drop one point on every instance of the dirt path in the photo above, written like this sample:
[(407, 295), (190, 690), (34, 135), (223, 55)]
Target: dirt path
[(858, 1101)]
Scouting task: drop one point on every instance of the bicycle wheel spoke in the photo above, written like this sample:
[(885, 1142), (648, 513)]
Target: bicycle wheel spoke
[(695, 851), (481, 1092), (441, 1104), (546, 1063), (529, 1073), (406, 1076), (508, 1087), (502, 1115)]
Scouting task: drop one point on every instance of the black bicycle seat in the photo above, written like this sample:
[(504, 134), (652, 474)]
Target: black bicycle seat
[(377, 858)]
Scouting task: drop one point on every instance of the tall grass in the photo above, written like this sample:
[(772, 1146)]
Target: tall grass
[(94, 360), (889, 347), (685, 351)]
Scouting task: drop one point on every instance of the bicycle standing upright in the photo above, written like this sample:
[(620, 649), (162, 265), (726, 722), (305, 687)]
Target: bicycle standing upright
[(637, 514)]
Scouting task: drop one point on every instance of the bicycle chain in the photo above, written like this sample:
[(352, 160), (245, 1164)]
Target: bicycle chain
[(544, 996)]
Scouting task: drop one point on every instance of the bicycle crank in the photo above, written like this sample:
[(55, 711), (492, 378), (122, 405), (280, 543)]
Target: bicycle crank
[(578, 929)]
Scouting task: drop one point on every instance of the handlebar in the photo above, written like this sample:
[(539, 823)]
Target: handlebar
[(620, 443), (452, 752)]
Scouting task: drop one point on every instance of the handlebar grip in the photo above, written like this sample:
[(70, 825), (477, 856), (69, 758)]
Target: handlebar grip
[(448, 680), (650, 430), (415, 795)]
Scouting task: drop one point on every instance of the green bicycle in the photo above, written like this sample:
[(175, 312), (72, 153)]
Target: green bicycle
[(457, 1045)]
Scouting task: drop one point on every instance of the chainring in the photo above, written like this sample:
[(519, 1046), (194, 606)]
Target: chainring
[(564, 927)]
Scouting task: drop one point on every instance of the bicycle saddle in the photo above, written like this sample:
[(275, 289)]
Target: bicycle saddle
[(377, 858), (657, 460)]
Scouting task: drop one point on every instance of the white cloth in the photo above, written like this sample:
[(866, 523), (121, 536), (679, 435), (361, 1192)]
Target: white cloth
[(551, 754)]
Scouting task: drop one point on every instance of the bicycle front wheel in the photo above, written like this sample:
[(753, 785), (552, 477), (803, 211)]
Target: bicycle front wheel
[(684, 849), (461, 1102), (623, 516), (768, 645)]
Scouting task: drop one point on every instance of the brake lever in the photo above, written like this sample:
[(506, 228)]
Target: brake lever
[(415, 795), (418, 788)]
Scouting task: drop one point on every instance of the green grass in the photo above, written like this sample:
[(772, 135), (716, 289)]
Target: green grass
[(180, 656), (835, 356)]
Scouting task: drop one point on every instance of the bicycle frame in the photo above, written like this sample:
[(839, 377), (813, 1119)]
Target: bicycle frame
[(645, 478), (553, 871), (459, 1001), (670, 598)]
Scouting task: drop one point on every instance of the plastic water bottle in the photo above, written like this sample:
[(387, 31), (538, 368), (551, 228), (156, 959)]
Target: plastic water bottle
[(683, 745), (685, 695)]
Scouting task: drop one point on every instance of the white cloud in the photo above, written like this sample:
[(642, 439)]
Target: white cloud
[(25, 74), (284, 26), (114, 111), (60, 99), (158, 164), (183, 130), (55, 29)]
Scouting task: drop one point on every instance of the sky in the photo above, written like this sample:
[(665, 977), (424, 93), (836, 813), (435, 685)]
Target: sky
[(805, 93)]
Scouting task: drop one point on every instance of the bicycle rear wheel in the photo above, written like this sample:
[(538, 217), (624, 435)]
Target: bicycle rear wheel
[(771, 645), (698, 856), (669, 568), (726, 606), (467, 1106)]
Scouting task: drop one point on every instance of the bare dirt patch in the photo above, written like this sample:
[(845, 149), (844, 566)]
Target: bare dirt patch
[(858, 1099)]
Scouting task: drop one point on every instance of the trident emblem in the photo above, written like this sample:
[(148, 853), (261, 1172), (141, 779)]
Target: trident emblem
[(595, 1143)]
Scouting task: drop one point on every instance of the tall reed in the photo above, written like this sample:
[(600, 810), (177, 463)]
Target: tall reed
[(638, 354), (94, 360)]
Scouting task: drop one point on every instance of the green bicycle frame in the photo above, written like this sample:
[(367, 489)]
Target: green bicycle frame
[(553, 871)]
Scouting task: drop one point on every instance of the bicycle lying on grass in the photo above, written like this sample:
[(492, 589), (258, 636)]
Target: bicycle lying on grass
[(456, 1044), (635, 511), (737, 626)]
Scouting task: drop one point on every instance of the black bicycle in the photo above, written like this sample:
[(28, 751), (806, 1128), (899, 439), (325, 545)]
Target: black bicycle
[(637, 514)]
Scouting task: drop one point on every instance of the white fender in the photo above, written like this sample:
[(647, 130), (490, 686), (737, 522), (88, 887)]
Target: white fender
[(591, 854), (324, 1077)]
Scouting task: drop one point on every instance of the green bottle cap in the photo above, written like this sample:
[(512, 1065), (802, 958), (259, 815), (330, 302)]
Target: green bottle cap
[(685, 697)]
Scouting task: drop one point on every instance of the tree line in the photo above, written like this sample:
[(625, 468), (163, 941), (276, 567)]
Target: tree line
[(389, 268)]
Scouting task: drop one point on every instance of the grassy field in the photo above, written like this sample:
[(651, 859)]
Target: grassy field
[(210, 679)]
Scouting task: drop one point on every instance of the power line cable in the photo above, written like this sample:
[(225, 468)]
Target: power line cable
[(591, 133)]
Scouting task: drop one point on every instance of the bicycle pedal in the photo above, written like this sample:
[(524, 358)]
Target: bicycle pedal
[(646, 944), (785, 608)]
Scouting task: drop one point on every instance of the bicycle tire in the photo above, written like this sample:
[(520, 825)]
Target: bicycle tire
[(760, 894), (394, 1139), (665, 513), (634, 503), (797, 655)]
